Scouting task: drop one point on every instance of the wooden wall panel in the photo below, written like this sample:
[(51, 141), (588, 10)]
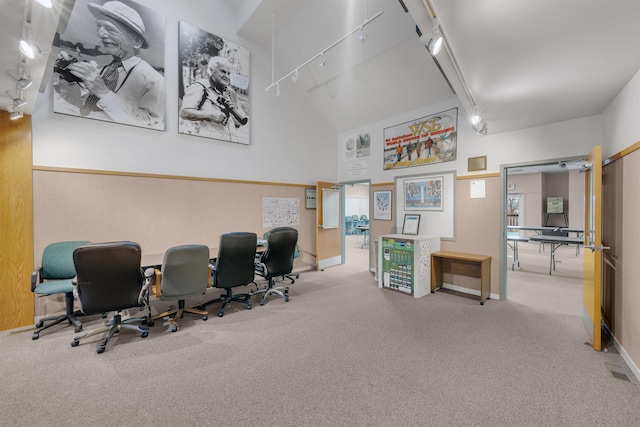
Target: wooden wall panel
[(155, 211), (16, 222)]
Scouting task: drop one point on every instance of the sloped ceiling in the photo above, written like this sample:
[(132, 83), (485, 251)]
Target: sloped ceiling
[(526, 62)]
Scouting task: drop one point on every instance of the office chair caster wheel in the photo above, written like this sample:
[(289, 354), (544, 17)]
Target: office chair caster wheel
[(39, 324), (145, 334), (35, 336), (174, 329), (78, 329), (100, 349), (249, 306), (205, 317), (286, 290), (286, 298), (261, 302), (151, 323), (220, 314), (74, 343)]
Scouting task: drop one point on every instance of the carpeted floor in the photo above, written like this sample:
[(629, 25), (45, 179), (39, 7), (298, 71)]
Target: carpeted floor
[(341, 352)]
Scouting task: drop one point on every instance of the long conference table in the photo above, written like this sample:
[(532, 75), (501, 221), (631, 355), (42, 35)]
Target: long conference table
[(155, 259), (555, 241)]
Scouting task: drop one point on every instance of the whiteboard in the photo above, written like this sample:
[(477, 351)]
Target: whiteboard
[(330, 208)]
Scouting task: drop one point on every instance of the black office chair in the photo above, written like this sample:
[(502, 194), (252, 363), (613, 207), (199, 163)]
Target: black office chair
[(277, 261), (54, 277), (185, 274), (234, 267), (109, 278)]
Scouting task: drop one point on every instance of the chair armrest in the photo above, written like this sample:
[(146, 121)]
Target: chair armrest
[(36, 278)]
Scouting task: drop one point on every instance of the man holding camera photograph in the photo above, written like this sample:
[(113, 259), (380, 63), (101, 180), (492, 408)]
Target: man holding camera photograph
[(127, 89)]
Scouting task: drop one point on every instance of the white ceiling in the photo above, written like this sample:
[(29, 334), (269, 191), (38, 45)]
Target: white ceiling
[(526, 62)]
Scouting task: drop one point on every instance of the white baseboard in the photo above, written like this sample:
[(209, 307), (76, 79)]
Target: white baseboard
[(625, 356)]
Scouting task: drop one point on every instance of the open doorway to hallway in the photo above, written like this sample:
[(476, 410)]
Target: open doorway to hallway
[(355, 236), (544, 201)]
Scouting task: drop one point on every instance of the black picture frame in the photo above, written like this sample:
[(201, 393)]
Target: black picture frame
[(411, 224)]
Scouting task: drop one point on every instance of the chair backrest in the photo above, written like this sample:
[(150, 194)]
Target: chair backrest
[(109, 276), (236, 257), (281, 248), (185, 272), (57, 260)]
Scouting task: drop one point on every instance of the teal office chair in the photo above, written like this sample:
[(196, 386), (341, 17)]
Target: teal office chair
[(109, 279), (53, 277), (185, 274)]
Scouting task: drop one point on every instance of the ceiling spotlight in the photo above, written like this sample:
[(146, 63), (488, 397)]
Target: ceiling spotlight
[(362, 35), (435, 43), (45, 3), (322, 60), (29, 50), (15, 115), (24, 82), (19, 102), (295, 76), (481, 128)]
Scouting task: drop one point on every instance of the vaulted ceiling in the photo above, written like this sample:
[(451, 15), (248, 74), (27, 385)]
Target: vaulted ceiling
[(525, 62)]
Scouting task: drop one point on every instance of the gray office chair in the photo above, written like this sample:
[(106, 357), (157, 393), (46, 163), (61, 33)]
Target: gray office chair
[(185, 274), (109, 278), (277, 261), (234, 267), (53, 277)]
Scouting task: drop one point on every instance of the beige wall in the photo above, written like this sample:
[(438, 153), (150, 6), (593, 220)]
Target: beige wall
[(477, 229), (157, 212)]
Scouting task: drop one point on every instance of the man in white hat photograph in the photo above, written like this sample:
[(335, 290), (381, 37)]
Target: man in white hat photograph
[(121, 78)]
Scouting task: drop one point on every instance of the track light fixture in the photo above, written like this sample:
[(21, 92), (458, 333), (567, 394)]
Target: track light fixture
[(435, 43), (19, 102), (362, 36), (481, 128), (16, 114), (24, 82)]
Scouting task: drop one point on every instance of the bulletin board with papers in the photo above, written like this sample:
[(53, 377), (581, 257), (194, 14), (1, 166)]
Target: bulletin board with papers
[(280, 212)]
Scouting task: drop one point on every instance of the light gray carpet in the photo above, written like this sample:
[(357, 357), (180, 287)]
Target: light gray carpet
[(342, 352)]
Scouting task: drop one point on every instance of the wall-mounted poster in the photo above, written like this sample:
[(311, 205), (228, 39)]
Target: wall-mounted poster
[(110, 65), (423, 194), (382, 205), (357, 146), (213, 88), (431, 139)]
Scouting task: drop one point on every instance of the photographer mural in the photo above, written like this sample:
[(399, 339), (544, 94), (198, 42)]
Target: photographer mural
[(110, 65), (214, 86)]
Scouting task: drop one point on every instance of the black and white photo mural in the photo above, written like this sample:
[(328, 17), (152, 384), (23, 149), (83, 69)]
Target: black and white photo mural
[(110, 65), (213, 89)]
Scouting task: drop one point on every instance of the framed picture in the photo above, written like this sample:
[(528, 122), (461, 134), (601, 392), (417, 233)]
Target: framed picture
[(310, 198), (411, 224), (136, 84), (213, 86), (382, 205), (423, 194)]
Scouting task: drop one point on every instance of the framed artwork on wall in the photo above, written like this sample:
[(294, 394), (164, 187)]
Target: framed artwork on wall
[(96, 78), (310, 198), (382, 205), (423, 194), (213, 86)]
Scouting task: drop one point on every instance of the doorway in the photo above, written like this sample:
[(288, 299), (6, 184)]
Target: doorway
[(528, 275), (356, 219)]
